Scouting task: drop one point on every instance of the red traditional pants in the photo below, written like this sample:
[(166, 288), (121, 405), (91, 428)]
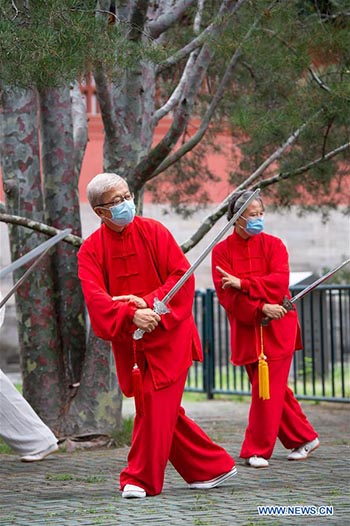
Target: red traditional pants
[(281, 416), (165, 433)]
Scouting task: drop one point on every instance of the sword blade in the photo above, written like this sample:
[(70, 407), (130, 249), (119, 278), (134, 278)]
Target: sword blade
[(318, 282), (208, 249), (44, 249), (160, 305), (34, 252)]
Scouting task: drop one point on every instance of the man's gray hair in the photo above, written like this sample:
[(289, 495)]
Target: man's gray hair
[(101, 184)]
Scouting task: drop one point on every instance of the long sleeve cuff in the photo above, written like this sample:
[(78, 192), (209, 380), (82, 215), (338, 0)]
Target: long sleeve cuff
[(245, 286)]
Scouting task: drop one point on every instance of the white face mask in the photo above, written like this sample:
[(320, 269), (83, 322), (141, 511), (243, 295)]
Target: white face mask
[(124, 213)]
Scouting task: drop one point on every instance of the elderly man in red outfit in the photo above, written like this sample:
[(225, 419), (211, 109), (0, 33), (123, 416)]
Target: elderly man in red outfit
[(123, 266), (251, 276)]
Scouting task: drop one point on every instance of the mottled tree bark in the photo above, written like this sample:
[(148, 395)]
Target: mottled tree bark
[(97, 406), (62, 211), (72, 386), (93, 401), (80, 127), (37, 322)]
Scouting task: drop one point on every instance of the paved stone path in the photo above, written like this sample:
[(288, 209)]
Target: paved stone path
[(81, 488)]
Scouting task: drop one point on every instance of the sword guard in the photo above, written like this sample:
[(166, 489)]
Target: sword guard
[(287, 304), (159, 307), (138, 334)]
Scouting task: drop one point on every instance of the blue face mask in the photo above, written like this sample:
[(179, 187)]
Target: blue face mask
[(124, 213), (254, 226)]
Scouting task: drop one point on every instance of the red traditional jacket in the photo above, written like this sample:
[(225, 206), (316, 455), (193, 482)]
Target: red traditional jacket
[(261, 262), (144, 260)]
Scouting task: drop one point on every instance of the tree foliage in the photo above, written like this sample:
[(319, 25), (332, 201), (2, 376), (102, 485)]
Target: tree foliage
[(293, 67), (293, 72), (306, 79), (51, 43)]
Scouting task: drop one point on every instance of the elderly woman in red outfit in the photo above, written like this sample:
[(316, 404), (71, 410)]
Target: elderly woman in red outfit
[(123, 267), (251, 276)]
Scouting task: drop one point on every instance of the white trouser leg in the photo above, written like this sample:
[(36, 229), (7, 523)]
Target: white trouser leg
[(20, 427)]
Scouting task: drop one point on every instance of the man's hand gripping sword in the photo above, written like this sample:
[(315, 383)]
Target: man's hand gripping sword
[(160, 306)]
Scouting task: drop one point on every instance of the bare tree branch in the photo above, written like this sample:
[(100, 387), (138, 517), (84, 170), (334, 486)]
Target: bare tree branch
[(318, 80), (276, 154), (196, 138), (102, 85), (80, 126), (198, 18), (212, 218), (326, 135), (165, 21), (200, 39), (103, 5), (103, 11), (144, 170), (175, 97), (185, 51), (138, 19), (76, 241), (104, 98), (15, 8), (302, 169)]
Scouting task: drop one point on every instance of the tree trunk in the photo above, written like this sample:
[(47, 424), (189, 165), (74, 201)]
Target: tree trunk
[(93, 400), (128, 119), (62, 211), (38, 333), (97, 407)]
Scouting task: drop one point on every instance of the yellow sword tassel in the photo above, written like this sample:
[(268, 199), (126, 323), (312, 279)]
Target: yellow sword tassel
[(263, 371)]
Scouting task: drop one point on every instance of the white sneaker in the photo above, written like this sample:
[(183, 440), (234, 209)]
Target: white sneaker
[(209, 484), (257, 462), (133, 492), (41, 455), (302, 452)]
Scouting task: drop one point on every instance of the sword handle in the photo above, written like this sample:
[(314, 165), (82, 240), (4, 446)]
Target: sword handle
[(286, 303), (159, 308)]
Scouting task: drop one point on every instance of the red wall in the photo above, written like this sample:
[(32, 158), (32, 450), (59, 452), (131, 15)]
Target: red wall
[(93, 159)]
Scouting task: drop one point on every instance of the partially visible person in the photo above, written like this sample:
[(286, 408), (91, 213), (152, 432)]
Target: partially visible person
[(251, 276), (123, 267), (20, 426)]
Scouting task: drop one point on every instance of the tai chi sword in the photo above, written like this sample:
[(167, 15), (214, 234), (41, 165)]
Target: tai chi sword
[(288, 304), (41, 251), (160, 306)]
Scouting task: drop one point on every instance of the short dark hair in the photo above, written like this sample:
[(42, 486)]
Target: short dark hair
[(238, 200)]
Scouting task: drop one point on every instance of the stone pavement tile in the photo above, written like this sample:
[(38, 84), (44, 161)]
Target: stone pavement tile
[(81, 488)]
